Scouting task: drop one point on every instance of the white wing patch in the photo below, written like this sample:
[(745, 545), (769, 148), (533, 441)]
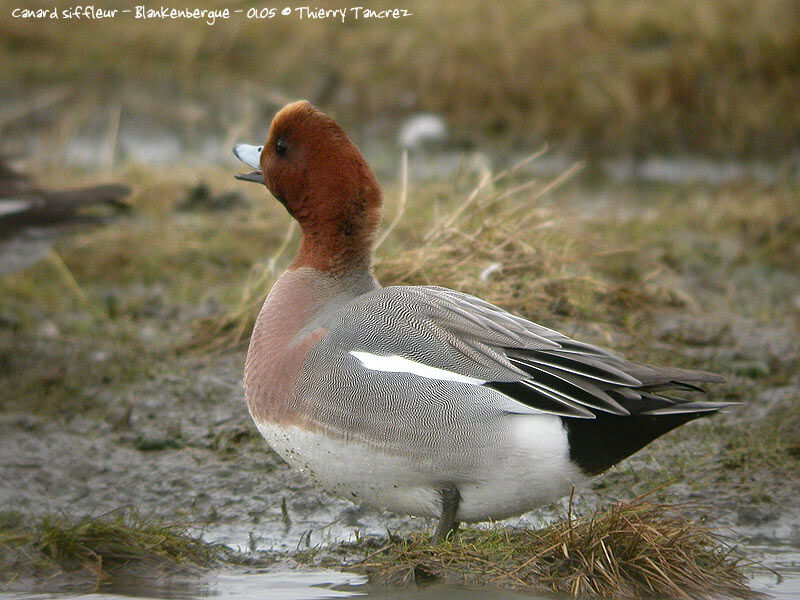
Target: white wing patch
[(398, 364)]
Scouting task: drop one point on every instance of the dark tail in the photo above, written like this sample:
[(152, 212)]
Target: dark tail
[(610, 407), (599, 443)]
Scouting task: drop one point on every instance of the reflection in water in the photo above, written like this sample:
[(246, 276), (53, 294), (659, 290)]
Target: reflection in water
[(783, 560), (285, 585), (291, 585), (299, 585)]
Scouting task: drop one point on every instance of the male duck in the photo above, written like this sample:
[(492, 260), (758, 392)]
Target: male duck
[(424, 400)]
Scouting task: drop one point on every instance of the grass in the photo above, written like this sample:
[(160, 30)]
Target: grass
[(630, 550), (634, 77), (518, 241), (635, 549), (101, 547), (770, 443), (110, 305)]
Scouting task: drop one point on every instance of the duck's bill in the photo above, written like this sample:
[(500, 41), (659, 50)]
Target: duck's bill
[(251, 156), (254, 176)]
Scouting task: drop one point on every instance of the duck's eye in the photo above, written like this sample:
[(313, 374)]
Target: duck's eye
[(260, 148), (280, 146)]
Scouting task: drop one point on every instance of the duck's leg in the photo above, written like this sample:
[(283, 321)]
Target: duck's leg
[(447, 522)]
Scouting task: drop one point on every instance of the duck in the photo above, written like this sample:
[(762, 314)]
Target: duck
[(423, 400), (32, 217)]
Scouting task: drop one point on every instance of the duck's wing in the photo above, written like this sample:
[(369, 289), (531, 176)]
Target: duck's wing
[(441, 334)]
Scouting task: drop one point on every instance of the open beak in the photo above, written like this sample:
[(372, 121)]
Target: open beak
[(251, 156)]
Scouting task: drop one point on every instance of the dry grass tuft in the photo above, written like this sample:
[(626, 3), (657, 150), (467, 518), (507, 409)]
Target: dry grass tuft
[(99, 545), (632, 550), (498, 237), (507, 238)]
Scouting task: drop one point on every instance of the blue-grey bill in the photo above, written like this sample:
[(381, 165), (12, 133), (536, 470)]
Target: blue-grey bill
[(251, 156)]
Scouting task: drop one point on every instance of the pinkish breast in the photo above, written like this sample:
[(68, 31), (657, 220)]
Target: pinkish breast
[(279, 345)]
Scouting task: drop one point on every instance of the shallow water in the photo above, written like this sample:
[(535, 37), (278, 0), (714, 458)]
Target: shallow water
[(286, 585), (782, 584), (782, 580), (778, 577), (289, 585)]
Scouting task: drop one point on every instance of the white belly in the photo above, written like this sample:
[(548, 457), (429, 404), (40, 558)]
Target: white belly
[(529, 468)]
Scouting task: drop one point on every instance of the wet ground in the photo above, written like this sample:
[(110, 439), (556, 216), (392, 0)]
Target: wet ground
[(782, 583)]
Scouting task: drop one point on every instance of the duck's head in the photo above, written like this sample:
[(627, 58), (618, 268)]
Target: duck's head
[(313, 168)]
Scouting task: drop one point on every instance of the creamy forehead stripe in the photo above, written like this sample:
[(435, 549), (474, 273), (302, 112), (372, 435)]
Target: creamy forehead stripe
[(398, 364)]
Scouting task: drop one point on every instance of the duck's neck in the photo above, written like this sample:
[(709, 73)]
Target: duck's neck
[(336, 248), (304, 297), (333, 256), (339, 225)]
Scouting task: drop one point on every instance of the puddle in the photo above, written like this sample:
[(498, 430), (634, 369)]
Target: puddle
[(781, 577), (782, 582), (287, 585)]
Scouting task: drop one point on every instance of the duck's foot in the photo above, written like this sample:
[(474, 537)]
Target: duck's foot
[(447, 522)]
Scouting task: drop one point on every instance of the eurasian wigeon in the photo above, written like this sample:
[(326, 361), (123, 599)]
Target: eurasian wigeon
[(424, 400), (32, 217)]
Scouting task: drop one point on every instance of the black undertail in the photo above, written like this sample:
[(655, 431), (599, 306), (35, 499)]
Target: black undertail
[(609, 408), (598, 444)]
